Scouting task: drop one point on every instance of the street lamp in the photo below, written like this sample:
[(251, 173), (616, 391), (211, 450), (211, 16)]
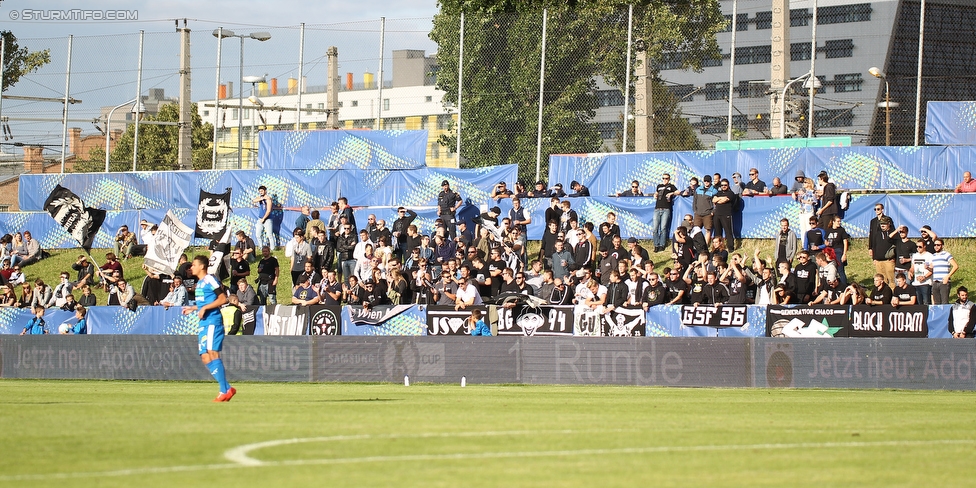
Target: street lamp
[(816, 84), (887, 104), (260, 36), (138, 110), (253, 100), (108, 127)]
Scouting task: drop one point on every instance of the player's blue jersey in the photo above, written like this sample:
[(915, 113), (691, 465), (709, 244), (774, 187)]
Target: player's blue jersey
[(206, 293)]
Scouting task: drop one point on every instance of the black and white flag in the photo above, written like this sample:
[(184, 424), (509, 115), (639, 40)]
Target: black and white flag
[(71, 213), (213, 214), (172, 237)]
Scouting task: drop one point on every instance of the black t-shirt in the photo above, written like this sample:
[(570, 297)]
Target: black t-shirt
[(674, 288), (836, 238), (806, 279), (266, 269), (696, 291), (655, 295), (725, 209), (904, 294), (663, 199), (903, 253), (238, 267), (883, 295), (829, 195)]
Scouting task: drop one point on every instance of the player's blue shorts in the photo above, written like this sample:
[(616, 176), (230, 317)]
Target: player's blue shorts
[(211, 337)]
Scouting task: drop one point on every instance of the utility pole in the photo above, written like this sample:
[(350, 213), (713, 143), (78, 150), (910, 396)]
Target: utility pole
[(643, 102), (332, 97), (184, 147), (779, 66)]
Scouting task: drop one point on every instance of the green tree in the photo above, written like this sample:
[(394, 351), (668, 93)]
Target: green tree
[(585, 40), (158, 148), (18, 60)]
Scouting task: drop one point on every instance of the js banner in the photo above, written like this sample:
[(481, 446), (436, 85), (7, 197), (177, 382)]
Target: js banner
[(444, 320)]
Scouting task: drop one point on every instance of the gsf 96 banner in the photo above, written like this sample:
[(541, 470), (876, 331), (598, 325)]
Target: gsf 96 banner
[(529, 321), (714, 316)]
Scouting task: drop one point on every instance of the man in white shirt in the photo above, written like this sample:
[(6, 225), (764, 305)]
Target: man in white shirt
[(961, 316), (921, 273)]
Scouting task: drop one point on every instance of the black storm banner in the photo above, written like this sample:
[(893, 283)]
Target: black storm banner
[(213, 214), (888, 321), (71, 213)]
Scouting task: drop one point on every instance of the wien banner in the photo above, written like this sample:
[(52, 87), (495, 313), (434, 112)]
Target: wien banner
[(536, 321), (806, 321), (285, 320), (444, 320), (888, 321), (376, 315)]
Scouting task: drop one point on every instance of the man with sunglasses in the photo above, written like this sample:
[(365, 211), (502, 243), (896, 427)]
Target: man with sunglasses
[(921, 273), (725, 202), (665, 193), (634, 190)]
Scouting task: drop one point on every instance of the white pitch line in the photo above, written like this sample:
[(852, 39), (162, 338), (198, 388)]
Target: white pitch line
[(465, 456)]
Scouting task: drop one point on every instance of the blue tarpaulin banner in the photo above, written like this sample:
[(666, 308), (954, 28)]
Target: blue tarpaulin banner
[(950, 123), (662, 321), (909, 168), (342, 149), (289, 188)]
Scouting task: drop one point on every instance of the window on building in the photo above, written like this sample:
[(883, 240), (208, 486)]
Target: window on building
[(850, 82), (716, 91), (752, 89), (308, 106), (233, 114), (764, 20), (683, 93), (711, 125), (386, 104), (839, 14), (609, 98), (842, 48), (428, 99), (799, 51), (363, 123), (609, 130), (395, 123), (340, 104), (843, 117), (247, 114), (206, 113), (355, 103), (712, 62), (741, 23), (799, 17), (321, 106), (435, 151), (753, 55), (672, 60), (443, 121), (424, 122)]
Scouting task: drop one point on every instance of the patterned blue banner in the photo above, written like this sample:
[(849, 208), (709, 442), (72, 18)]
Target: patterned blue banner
[(662, 321), (289, 188), (909, 168), (950, 123), (342, 149)]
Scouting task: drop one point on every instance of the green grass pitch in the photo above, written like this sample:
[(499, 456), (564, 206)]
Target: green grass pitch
[(122, 433)]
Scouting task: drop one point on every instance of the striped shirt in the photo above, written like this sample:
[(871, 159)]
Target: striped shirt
[(941, 265)]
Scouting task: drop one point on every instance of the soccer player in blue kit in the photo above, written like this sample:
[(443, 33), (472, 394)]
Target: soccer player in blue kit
[(210, 296)]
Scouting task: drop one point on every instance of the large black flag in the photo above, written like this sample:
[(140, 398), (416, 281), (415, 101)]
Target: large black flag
[(71, 213), (213, 214)]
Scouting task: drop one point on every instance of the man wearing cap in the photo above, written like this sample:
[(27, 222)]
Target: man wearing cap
[(447, 204), (500, 192), (145, 235), (557, 191), (882, 249), (633, 245), (540, 190), (578, 189), (702, 206)]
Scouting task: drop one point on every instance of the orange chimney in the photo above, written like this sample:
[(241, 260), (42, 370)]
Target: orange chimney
[(274, 86), (223, 91), (349, 81), (33, 159)]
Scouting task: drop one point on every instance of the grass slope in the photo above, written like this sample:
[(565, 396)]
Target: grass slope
[(83, 433)]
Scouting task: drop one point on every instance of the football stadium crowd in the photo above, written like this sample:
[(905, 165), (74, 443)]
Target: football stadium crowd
[(331, 260)]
